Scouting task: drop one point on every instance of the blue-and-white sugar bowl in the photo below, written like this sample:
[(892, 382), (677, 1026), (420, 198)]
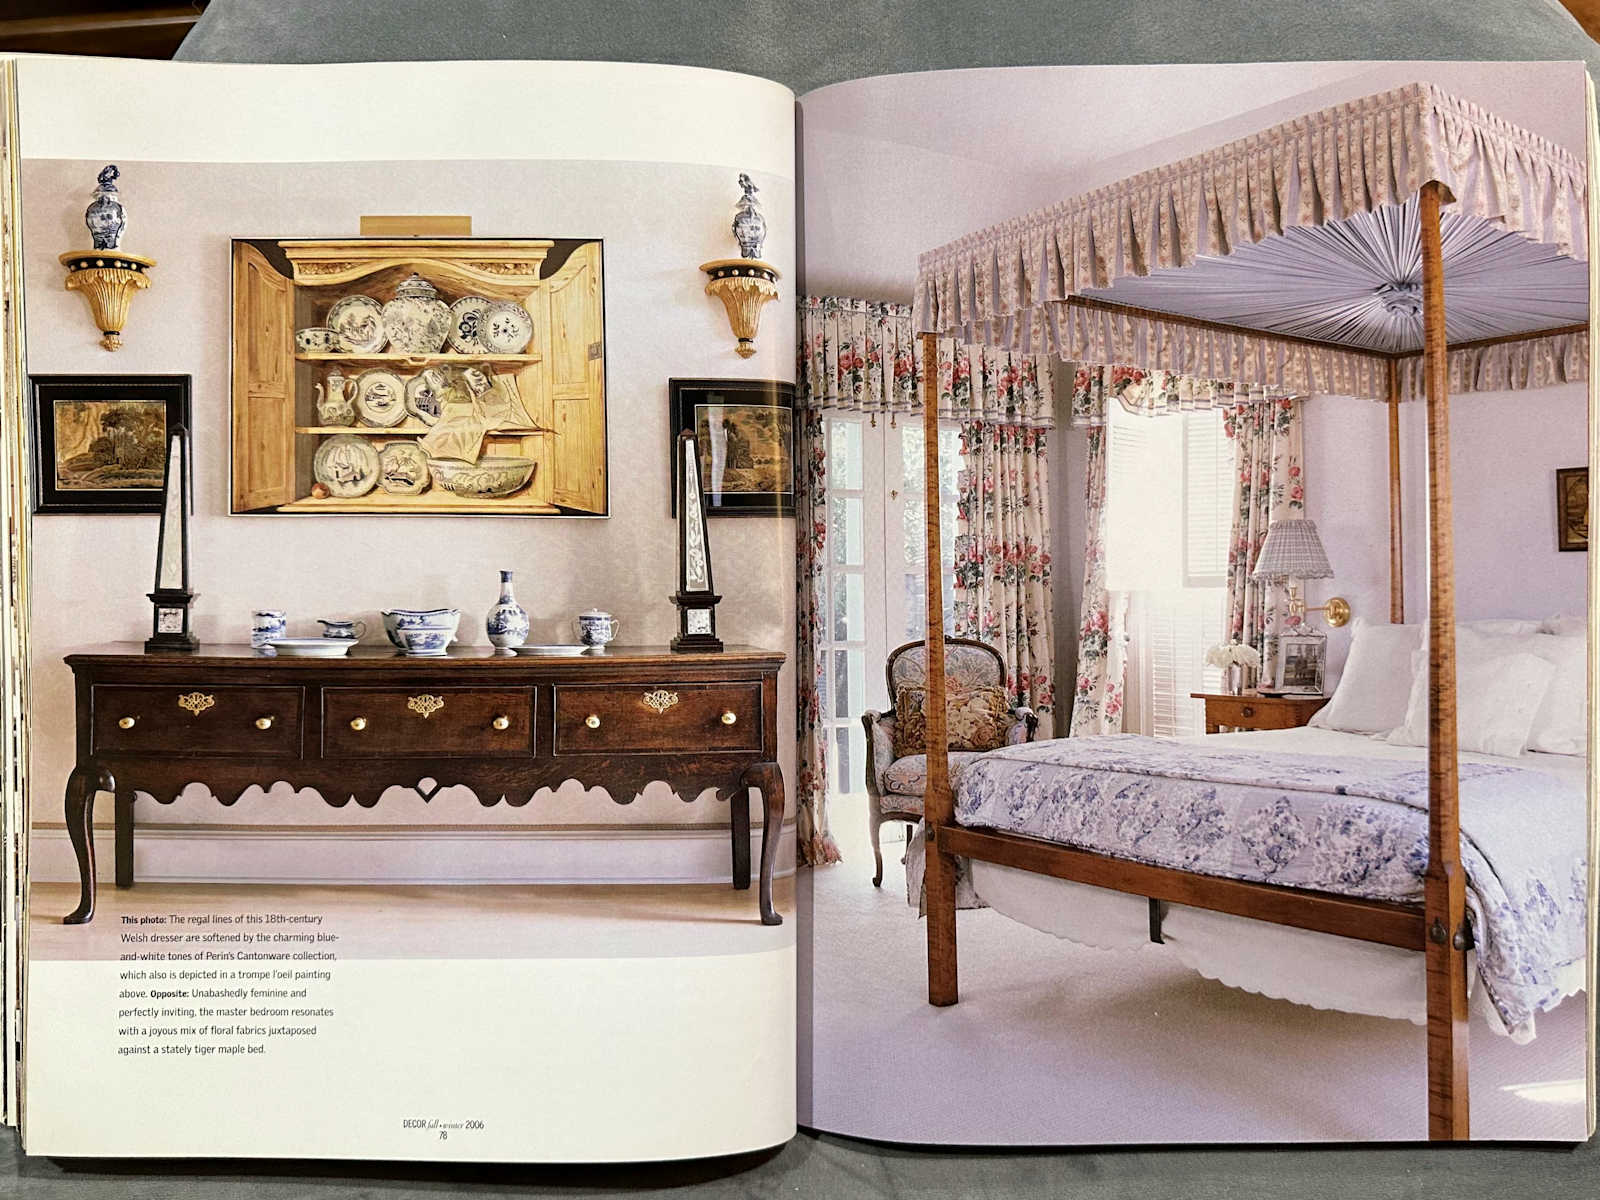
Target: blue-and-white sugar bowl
[(421, 631)]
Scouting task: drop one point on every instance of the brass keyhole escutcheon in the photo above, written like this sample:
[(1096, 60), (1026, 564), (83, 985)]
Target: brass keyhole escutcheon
[(358, 723), (127, 722), (660, 700), (501, 722), (730, 718), (592, 721), (195, 703), (263, 723), (425, 705)]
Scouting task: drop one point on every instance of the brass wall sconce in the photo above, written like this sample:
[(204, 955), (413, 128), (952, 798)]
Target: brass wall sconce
[(107, 279), (743, 285)]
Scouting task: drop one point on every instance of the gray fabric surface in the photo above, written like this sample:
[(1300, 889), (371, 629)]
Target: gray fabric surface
[(806, 44), (809, 43)]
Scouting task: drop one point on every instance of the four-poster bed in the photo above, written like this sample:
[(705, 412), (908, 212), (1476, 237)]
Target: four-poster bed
[(1345, 213)]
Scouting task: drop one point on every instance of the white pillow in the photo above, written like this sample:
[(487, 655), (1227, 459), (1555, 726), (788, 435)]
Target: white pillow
[(1566, 625), (1376, 682), (1502, 625), (1561, 724), (1499, 691)]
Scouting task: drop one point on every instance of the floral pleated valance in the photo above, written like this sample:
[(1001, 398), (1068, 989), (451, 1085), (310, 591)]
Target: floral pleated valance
[(863, 356), (1154, 393), (1010, 284), (1507, 366)]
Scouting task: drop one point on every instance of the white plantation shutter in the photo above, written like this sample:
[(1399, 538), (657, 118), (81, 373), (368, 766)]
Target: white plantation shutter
[(1208, 470), (1170, 519)]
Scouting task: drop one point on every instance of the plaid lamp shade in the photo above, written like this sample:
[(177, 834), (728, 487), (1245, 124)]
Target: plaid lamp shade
[(1292, 551)]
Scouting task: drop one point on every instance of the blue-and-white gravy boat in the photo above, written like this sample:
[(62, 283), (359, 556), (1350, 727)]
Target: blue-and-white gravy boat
[(421, 630)]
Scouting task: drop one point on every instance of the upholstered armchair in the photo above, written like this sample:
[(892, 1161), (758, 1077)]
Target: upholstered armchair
[(895, 785)]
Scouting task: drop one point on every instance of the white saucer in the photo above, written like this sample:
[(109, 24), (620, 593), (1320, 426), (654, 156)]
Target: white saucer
[(312, 647), (568, 650)]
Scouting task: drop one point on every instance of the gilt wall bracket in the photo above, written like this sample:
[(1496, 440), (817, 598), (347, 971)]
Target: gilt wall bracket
[(743, 285), (107, 279)]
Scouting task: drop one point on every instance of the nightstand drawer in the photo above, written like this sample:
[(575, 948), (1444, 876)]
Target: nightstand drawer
[(1258, 712)]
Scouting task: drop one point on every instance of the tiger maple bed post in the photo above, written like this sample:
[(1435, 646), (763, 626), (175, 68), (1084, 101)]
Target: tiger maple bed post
[(1444, 884), (938, 802)]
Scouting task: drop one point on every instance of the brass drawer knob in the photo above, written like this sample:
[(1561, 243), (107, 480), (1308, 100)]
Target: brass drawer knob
[(501, 722), (126, 722), (730, 718), (592, 720), (358, 723), (263, 723), (1248, 710)]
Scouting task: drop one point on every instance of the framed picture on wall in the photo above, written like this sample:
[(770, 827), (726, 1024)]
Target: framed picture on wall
[(1572, 508), (1300, 664), (100, 441), (745, 430)]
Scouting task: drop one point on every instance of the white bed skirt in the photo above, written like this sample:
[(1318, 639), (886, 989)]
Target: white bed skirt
[(1317, 969)]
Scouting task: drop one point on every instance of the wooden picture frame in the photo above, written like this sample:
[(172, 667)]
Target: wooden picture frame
[(1300, 665), (1572, 508), (746, 434), (100, 441)]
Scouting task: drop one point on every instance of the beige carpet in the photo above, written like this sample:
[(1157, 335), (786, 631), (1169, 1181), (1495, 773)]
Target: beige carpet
[(1054, 1043)]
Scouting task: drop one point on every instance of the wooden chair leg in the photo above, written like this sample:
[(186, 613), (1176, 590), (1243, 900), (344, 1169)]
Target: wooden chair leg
[(874, 823)]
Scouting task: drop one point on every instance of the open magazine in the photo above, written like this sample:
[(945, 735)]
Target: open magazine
[(1032, 533)]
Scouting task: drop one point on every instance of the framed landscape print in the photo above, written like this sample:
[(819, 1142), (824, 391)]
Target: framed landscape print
[(745, 430), (100, 441), (1572, 508)]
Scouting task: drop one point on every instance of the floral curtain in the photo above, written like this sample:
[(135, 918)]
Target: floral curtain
[(1269, 487), (815, 844), (1102, 632), (1002, 556)]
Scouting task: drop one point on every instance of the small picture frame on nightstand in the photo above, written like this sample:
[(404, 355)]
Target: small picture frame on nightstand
[(1300, 664)]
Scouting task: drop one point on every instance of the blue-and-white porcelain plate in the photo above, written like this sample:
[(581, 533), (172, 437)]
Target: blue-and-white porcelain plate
[(380, 398), (358, 320)]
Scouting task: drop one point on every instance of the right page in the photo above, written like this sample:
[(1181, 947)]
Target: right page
[(1254, 660)]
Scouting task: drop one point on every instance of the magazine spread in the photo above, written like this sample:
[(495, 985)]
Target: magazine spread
[(494, 573)]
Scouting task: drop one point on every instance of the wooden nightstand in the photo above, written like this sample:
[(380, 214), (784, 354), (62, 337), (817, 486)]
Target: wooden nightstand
[(1250, 711)]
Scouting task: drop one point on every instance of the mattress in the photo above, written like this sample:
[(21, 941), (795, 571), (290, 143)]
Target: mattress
[(1316, 969)]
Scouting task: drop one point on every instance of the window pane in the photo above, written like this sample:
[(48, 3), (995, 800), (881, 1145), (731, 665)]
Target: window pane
[(846, 530), (857, 683), (849, 607), (843, 684), (858, 757), (842, 772), (844, 454)]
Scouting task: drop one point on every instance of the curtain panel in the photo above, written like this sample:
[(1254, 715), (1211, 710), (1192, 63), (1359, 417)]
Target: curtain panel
[(1002, 558), (1101, 676), (1269, 486), (814, 843)]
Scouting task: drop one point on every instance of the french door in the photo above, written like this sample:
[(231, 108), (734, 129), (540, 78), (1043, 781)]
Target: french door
[(875, 582)]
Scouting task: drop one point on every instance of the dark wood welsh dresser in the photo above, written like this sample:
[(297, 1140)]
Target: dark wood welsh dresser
[(503, 725)]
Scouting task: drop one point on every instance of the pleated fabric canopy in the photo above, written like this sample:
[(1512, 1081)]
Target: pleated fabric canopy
[(1308, 233)]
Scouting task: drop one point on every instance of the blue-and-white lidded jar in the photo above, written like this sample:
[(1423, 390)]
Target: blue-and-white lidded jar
[(105, 216), (507, 622), (597, 627), (267, 625)]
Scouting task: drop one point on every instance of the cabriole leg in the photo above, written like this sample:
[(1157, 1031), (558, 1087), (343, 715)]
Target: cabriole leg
[(85, 780), (769, 779)]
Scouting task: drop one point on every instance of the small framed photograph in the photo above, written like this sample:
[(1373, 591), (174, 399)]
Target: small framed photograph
[(100, 441), (1572, 508), (745, 430), (1300, 663)]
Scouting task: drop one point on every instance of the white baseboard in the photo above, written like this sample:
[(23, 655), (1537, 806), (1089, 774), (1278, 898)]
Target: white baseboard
[(411, 856)]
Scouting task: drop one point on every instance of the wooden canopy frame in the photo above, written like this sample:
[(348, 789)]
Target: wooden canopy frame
[(1437, 927)]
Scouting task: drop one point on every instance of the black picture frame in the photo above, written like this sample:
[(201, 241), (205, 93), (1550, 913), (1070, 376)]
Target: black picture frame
[(1572, 508), (53, 492), (691, 399)]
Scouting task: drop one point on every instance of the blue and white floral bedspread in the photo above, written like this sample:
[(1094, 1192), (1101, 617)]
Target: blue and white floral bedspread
[(1354, 826)]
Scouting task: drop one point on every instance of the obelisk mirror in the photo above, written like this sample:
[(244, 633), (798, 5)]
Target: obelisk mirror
[(695, 597), (172, 597)]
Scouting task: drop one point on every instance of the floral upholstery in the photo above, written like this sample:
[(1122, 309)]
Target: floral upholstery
[(896, 783), (974, 720)]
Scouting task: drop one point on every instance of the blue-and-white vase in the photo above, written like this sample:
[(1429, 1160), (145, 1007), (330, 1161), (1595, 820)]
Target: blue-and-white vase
[(104, 216), (749, 226), (508, 621)]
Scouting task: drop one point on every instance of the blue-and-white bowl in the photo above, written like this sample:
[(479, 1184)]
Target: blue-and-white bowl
[(399, 621), (422, 643)]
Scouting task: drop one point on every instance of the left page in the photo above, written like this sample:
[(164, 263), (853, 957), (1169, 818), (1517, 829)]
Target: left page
[(441, 814)]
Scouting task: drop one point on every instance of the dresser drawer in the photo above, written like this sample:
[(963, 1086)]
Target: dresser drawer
[(671, 718), (427, 722), (256, 722), (1254, 712)]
